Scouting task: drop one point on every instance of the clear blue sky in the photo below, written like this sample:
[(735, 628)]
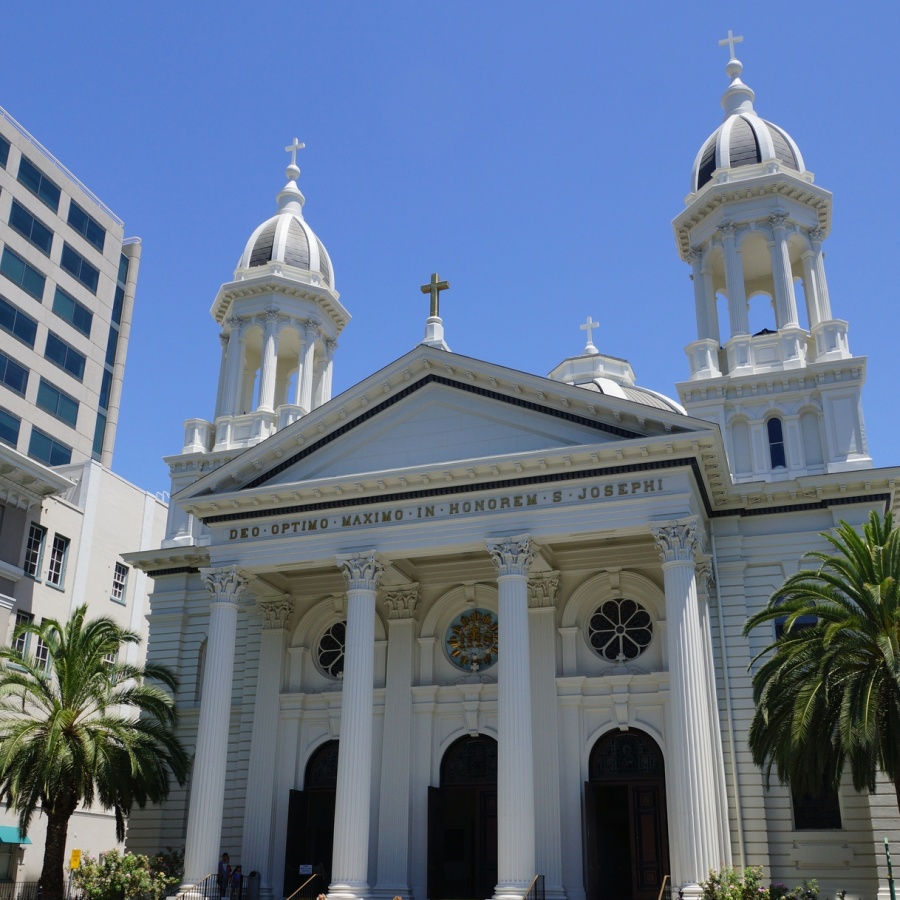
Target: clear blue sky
[(534, 154)]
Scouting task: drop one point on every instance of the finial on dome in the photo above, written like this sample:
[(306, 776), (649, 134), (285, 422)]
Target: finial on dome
[(290, 193), (589, 326), (738, 98)]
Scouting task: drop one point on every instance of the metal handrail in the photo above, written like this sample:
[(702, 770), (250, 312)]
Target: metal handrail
[(187, 890), (535, 889), (662, 888), (305, 883)]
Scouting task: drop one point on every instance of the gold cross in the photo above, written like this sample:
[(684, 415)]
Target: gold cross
[(434, 287)]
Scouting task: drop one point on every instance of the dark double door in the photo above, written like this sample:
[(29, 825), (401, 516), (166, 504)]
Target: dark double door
[(626, 837), (462, 822)]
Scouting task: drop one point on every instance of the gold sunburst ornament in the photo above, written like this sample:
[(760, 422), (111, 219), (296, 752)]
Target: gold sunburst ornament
[(472, 640)]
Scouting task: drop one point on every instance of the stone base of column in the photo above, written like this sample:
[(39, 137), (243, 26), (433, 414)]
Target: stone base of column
[(349, 890), (691, 891)]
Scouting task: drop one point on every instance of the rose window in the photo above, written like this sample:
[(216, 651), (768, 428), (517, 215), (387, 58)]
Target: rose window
[(330, 654), (620, 630), (471, 641)]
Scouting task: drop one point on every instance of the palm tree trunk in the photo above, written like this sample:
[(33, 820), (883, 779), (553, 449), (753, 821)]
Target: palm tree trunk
[(52, 881)]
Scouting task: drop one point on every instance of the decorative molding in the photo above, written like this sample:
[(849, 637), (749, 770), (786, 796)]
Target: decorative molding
[(542, 590), (275, 612), (226, 585), (677, 541), (512, 555), (705, 575), (362, 571), (402, 602)]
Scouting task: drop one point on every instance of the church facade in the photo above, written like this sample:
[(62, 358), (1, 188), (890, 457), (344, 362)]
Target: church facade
[(463, 625)]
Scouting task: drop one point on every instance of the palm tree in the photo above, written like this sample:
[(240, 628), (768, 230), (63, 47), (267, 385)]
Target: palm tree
[(78, 727), (828, 697)]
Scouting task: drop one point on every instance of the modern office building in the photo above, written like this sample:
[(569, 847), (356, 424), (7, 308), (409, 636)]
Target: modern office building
[(67, 283)]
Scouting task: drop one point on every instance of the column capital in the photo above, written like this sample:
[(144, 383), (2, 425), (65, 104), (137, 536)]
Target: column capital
[(402, 601), (727, 229), (362, 571), (705, 575), (677, 541), (542, 589), (272, 314), (511, 555), (275, 612), (226, 585), (817, 235), (311, 327), (234, 322), (778, 219)]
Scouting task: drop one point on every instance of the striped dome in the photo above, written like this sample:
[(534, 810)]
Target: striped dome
[(286, 238)]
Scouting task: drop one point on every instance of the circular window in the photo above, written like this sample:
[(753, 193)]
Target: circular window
[(330, 654), (620, 630), (471, 641)]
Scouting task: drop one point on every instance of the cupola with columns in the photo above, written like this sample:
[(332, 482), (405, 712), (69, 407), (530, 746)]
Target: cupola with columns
[(788, 396), (280, 318)]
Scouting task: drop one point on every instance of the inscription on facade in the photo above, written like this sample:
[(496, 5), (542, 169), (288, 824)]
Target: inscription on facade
[(447, 509)]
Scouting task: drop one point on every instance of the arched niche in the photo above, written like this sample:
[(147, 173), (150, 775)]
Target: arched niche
[(578, 658), (811, 436), (741, 447), (305, 675), (435, 665)]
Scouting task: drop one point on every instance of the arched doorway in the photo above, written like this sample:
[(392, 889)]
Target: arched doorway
[(462, 822), (310, 826), (626, 837)]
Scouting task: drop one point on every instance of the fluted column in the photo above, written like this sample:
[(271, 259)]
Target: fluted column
[(515, 763), (690, 780), (704, 583), (223, 371), (350, 858), (704, 299), (816, 236), (393, 816), (204, 828), (235, 368), (258, 810), (307, 372), (734, 282), (269, 361), (785, 301)]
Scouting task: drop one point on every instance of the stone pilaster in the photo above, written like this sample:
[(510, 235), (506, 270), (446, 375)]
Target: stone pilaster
[(542, 590), (393, 818), (234, 364), (269, 360), (690, 779), (515, 764), (259, 808), (782, 277), (350, 858), (307, 374), (734, 280), (204, 828)]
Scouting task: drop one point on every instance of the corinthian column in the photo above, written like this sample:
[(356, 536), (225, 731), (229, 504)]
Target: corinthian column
[(515, 763), (257, 849), (734, 282), (350, 860), (393, 817), (269, 361), (690, 781), (307, 373), (782, 277), (204, 828)]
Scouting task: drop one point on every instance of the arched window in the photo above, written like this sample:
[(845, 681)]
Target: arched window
[(776, 443)]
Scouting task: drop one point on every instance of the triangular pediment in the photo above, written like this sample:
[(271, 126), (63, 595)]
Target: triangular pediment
[(441, 424), (433, 409)]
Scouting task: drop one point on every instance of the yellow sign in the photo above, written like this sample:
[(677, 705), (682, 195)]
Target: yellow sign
[(75, 860)]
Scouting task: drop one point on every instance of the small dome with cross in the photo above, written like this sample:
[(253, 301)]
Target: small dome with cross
[(744, 143), (286, 239)]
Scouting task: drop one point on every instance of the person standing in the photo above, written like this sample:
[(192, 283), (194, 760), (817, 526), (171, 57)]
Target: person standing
[(223, 876), (237, 883)]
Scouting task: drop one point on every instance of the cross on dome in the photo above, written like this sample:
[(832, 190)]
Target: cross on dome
[(589, 327), (731, 40), (434, 287), (296, 145)]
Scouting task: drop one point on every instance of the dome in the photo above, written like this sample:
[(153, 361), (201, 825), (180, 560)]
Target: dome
[(743, 139), (286, 238)]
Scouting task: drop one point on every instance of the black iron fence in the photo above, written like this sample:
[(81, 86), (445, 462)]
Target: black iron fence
[(535, 889)]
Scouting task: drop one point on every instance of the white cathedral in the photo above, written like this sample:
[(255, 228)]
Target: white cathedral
[(461, 625)]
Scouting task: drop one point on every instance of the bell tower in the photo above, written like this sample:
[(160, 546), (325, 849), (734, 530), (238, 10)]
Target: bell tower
[(788, 395), (280, 317)]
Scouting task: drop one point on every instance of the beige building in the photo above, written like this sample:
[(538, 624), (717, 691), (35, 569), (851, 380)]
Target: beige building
[(67, 282)]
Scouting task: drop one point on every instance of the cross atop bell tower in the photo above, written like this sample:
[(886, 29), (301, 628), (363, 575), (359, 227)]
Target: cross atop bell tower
[(434, 324)]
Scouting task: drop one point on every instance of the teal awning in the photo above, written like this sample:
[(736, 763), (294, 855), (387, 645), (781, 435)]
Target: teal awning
[(9, 834)]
